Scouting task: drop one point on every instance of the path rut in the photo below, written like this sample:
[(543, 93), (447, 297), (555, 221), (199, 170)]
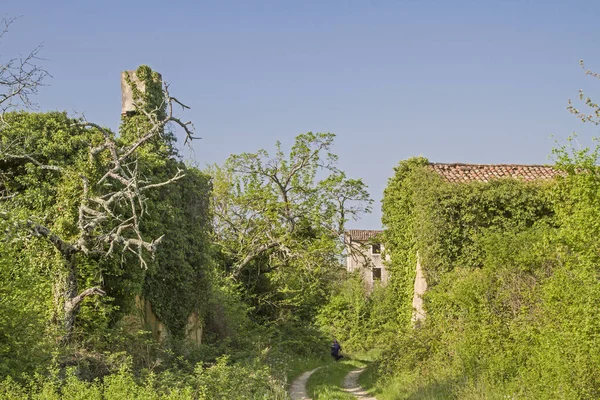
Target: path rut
[(298, 388), (351, 385)]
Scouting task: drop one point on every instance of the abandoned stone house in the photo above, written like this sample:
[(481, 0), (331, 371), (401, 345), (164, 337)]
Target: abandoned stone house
[(364, 254), (364, 249)]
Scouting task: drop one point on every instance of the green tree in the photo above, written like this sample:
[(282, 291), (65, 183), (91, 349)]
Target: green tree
[(278, 221)]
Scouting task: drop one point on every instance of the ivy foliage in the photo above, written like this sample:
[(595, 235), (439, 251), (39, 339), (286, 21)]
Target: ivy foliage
[(443, 221), (451, 217), (512, 278), (177, 282), (50, 198), (346, 315), (399, 218)]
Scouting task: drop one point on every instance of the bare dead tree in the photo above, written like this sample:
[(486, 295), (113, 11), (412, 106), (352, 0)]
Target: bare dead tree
[(20, 77), (110, 208)]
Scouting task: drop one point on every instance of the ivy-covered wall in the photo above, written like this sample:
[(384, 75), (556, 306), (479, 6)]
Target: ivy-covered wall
[(398, 218), (443, 221), (513, 281)]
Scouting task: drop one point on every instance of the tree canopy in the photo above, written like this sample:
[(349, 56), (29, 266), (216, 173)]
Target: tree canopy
[(279, 219)]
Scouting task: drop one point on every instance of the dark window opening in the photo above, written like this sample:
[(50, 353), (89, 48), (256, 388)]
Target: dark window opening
[(376, 248), (376, 274)]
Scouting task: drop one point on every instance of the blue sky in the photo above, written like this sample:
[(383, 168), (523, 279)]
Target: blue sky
[(454, 81)]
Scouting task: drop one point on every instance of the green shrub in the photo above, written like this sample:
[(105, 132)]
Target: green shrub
[(345, 316)]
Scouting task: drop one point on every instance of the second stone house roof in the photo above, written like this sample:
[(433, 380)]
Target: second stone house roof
[(361, 235), (463, 173)]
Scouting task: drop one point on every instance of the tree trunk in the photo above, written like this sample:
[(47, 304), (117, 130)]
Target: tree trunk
[(70, 293), (72, 299)]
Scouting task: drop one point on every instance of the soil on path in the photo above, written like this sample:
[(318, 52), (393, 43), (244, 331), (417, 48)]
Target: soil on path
[(298, 388), (351, 385)]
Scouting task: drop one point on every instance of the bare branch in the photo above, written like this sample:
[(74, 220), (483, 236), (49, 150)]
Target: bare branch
[(64, 247), (587, 71), (594, 115), (33, 160), (173, 99), (176, 177), (123, 174), (239, 267), (93, 291), (188, 127), (20, 78)]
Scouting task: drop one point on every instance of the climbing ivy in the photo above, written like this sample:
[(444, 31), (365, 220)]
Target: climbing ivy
[(442, 221), (177, 282), (512, 275), (149, 100), (400, 234)]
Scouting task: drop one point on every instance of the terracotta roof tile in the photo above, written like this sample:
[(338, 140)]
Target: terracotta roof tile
[(463, 173), (359, 235)]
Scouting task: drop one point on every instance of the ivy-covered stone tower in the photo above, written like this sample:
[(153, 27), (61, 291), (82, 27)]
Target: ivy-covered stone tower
[(171, 292)]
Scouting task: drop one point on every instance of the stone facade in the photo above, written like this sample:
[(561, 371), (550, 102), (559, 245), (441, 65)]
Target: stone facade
[(364, 253), (419, 289)]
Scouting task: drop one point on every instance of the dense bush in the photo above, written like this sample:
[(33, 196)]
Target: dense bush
[(346, 314)]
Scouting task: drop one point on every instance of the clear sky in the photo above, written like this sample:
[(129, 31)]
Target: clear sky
[(453, 80)]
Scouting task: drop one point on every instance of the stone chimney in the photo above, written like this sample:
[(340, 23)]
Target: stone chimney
[(127, 103)]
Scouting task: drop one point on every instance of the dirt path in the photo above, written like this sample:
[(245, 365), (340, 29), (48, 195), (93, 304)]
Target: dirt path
[(298, 388), (351, 385)]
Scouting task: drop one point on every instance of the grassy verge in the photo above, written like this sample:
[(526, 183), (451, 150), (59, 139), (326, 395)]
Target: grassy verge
[(403, 386), (326, 383), (297, 367), (368, 379)]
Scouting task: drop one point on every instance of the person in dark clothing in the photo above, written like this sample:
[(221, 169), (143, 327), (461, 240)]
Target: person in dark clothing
[(335, 350)]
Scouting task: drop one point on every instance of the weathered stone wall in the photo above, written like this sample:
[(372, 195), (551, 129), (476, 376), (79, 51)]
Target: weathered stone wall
[(360, 258), (127, 101), (146, 319), (419, 290)]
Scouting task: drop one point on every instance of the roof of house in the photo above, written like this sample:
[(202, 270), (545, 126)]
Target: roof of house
[(463, 173), (360, 235)]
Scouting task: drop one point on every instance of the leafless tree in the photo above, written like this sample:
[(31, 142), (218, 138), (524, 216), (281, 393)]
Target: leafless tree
[(20, 77)]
